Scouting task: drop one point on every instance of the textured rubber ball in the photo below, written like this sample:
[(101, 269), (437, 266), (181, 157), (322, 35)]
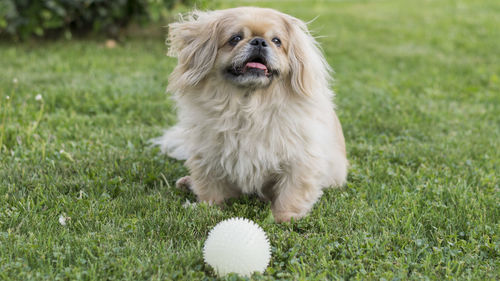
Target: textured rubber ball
[(237, 245)]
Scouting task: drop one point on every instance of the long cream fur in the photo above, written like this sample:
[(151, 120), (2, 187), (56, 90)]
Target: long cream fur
[(282, 142)]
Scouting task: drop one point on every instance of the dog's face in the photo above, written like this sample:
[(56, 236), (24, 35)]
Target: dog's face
[(247, 47), (253, 49)]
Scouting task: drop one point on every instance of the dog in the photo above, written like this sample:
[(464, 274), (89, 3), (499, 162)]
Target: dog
[(255, 110)]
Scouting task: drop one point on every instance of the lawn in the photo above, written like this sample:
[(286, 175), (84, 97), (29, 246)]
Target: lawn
[(83, 196)]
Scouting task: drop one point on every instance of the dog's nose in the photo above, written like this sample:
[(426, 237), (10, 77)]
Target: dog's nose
[(258, 42)]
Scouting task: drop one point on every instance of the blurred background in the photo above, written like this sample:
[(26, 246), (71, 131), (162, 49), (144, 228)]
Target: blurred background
[(23, 19)]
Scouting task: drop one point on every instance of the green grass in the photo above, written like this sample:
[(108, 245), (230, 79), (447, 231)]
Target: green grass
[(418, 93)]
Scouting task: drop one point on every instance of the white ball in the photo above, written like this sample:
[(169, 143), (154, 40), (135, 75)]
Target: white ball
[(237, 245)]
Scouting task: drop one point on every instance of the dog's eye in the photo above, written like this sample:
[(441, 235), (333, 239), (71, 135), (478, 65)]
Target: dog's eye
[(276, 41), (235, 39)]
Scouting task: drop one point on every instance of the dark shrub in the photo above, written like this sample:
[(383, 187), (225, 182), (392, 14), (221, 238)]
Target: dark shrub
[(25, 18)]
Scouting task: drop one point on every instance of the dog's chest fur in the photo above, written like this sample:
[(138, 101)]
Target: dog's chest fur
[(247, 139)]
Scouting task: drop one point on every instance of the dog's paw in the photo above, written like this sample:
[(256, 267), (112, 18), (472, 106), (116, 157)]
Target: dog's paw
[(184, 183), (281, 217)]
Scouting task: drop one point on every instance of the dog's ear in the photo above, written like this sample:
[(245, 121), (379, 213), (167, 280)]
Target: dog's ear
[(309, 71), (194, 41)]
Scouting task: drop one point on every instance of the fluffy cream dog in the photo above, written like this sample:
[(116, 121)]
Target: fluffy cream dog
[(255, 110)]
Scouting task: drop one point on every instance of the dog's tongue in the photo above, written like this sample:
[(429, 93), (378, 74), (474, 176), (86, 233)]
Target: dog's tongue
[(256, 65)]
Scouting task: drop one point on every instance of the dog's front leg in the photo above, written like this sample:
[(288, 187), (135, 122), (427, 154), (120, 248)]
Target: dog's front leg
[(294, 197), (208, 185), (209, 191)]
